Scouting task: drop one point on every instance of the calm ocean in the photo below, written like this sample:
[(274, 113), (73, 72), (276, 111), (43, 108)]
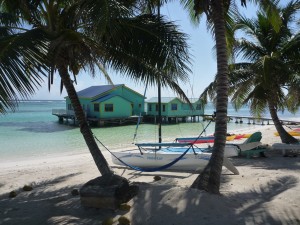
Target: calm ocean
[(32, 131)]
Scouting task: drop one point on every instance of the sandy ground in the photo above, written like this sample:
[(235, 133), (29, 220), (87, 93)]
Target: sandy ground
[(267, 191)]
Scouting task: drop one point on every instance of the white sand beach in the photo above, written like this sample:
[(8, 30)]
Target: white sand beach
[(267, 191)]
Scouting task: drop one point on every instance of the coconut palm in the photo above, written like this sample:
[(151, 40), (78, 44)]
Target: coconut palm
[(216, 12), (219, 21), (269, 79), (218, 18), (23, 71), (85, 34)]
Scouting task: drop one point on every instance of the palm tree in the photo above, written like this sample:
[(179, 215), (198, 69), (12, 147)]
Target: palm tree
[(269, 79), (209, 179), (23, 71), (110, 34), (219, 20)]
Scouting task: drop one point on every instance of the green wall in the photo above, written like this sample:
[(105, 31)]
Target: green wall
[(121, 108), (132, 96), (183, 109), (126, 103)]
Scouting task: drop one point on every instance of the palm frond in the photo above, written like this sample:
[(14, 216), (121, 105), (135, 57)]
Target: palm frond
[(23, 66)]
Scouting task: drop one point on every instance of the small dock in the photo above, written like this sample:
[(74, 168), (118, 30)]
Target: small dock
[(251, 120), (172, 119), (66, 115), (262, 120), (63, 114)]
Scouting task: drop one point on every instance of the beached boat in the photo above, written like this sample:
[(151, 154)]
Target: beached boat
[(171, 156), (200, 140)]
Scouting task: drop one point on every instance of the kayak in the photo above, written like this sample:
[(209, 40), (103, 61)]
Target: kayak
[(200, 140), (293, 133)]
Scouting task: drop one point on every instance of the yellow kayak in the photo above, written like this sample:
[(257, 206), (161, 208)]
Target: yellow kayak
[(293, 133), (230, 138), (247, 135)]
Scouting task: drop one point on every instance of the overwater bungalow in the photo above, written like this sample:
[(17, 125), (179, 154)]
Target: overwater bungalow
[(173, 109), (106, 104)]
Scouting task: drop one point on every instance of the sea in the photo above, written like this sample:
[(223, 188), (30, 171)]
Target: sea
[(32, 131)]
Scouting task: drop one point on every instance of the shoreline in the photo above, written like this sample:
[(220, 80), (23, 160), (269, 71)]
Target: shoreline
[(266, 192)]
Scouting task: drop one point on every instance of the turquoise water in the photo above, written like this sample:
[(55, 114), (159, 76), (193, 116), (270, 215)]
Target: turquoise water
[(33, 131)]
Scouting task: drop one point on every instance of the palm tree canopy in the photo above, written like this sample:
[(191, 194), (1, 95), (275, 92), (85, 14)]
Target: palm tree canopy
[(271, 63), (90, 34), (22, 67)]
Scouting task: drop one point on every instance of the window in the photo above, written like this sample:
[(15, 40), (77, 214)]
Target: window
[(96, 108), (140, 105), (150, 107), (163, 108), (198, 107), (173, 106), (70, 107), (156, 107), (109, 108)]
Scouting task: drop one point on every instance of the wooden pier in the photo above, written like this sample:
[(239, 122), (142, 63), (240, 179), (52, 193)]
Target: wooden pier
[(171, 119), (64, 115), (262, 120), (251, 120)]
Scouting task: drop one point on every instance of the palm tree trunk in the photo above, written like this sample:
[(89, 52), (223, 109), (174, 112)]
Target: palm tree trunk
[(284, 136), (98, 157), (209, 179)]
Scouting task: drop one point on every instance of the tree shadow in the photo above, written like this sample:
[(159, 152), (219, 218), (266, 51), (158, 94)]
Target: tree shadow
[(46, 204), (162, 202), (132, 174), (272, 161), (160, 205)]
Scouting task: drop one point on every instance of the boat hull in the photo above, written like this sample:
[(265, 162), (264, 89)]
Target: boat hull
[(155, 159)]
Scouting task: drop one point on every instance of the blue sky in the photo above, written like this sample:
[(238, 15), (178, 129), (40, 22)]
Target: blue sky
[(203, 63)]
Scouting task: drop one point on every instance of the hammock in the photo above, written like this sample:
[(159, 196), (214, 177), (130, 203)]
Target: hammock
[(139, 119), (146, 169)]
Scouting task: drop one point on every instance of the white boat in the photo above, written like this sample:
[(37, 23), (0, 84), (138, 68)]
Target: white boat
[(148, 157)]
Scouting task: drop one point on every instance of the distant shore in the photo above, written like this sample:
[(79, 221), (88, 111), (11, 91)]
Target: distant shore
[(266, 192)]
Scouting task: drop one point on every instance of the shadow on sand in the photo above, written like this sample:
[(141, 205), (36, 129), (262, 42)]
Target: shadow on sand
[(159, 203)]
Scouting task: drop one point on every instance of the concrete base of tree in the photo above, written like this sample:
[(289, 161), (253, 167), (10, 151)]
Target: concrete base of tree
[(107, 192)]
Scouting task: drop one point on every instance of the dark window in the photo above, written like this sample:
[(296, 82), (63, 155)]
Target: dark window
[(140, 105), (96, 107), (163, 108), (198, 107), (150, 107), (173, 106), (109, 108), (156, 107)]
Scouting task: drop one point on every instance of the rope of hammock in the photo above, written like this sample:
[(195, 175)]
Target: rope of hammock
[(204, 130), (139, 119), (146, 169)]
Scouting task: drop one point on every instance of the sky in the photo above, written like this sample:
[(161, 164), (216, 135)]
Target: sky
[(203, 66)]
